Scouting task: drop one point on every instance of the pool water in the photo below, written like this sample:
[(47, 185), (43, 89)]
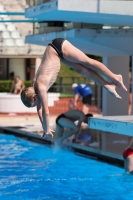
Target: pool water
[(33, 171)]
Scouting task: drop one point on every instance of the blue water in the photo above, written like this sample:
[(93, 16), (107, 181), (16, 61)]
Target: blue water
[(33, 171)]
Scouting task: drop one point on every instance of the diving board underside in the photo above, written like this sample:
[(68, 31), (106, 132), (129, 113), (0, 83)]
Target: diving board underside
[(115, 124)]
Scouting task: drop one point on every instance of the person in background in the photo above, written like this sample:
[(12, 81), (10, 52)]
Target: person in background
[(66, 120), (128, 157), (11, 76), (85, 92), (17, 86), (130, 97)]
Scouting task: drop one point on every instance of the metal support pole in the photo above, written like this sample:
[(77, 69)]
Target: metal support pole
[(60, 82), (132, 80), (99, 98), (98, 6)]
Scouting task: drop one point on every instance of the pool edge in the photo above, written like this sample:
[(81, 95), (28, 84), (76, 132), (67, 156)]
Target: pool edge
[(77, 148)]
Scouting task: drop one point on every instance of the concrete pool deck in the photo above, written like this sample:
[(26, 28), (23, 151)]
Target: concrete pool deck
[(29, 122)]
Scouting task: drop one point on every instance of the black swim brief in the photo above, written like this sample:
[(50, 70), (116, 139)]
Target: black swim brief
[(60, 116), (57, 45)]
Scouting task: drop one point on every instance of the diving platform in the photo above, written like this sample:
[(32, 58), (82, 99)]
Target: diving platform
[(115, 124), (91, 11)]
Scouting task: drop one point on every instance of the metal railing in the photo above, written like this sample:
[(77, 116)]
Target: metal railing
[(63, 86), (53, 26)]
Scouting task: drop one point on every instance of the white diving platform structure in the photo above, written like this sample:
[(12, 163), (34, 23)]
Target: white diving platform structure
[(114, 124)]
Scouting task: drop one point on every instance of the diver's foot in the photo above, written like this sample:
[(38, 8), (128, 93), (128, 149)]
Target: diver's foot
[(111, 89), (119, 82)]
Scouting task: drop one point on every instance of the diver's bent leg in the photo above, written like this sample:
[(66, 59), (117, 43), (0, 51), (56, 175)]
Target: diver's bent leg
[(58, 132), (67, 135), (89, 73), (73, 54), (66, 123)]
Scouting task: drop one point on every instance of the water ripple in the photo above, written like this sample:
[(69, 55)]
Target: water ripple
[(31, 171)]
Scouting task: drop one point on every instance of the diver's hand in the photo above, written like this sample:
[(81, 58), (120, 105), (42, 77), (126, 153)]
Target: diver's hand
[(49, 132)]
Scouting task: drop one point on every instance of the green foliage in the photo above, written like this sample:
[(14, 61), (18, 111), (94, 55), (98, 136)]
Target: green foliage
[(27, 83), (5, 85), (65, 95), (67, 71)]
